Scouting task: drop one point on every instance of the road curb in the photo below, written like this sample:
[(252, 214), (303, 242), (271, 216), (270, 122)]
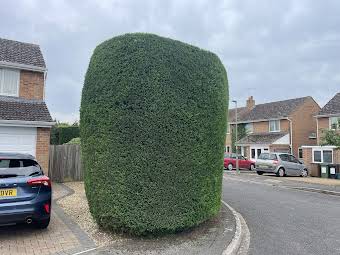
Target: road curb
[(241, 230)]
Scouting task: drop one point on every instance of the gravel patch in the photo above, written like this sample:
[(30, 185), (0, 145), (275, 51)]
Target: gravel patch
[(77, 208), (211, 237)]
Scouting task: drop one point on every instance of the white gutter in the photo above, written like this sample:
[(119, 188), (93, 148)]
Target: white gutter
[(23, 123), (291, 134), (317, 131), (260, 120), (328, 115), (22, 66), (319, 146)]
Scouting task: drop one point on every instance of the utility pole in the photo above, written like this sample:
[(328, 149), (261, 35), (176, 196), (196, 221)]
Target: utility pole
[(236, 138)]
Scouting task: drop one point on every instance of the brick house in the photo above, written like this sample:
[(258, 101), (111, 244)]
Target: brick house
[(25, 121), (327, 118), (282, 126)]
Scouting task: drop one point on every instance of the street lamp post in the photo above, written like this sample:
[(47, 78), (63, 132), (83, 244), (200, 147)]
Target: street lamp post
[(236, 138)]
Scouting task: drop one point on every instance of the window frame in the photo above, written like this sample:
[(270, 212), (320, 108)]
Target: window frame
[(2, 77), (278, 126), (337, 122), (249, 130), (228, 129), (300, 150), (322, 156)]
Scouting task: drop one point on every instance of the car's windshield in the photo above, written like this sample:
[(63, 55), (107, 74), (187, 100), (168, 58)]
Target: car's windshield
[(267, 156), (18, 167)]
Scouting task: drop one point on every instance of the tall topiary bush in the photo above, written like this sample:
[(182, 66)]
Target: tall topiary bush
[(153, 121)]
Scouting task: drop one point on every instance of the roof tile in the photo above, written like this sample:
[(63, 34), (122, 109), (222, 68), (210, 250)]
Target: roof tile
[(15, 108), (332, 107), (267, 111), (21, 53)]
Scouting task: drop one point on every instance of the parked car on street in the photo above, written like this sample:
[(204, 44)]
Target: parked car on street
[(244, 163), (25, 192), (281, 164)]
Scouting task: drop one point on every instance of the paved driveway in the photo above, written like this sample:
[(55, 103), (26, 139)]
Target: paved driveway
[(62, 236), (283, 219)]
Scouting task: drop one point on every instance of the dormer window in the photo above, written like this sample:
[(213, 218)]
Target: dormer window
[(9, 82)]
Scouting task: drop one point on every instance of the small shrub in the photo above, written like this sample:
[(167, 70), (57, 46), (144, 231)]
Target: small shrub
[(74, 141), (153, 121), (63, 134)]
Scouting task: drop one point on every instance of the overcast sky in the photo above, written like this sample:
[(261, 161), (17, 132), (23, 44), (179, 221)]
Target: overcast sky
[(273, 50)]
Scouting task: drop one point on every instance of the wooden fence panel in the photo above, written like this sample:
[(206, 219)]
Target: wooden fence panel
[(65, 163)]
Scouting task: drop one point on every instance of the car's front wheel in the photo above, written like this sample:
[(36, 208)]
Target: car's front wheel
[(252, 167), (280, 172), (42, 224), (230, 167), (304, 173)]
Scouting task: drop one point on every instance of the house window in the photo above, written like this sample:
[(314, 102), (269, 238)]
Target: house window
[(335, 123), (249, 128), (327, 156), (253, 153), (227, 149), (322, 156), (317, 156), (274, 125), (9, 82), (300, 153)]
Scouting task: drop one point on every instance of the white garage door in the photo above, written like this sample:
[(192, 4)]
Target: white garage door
[(18, 139)]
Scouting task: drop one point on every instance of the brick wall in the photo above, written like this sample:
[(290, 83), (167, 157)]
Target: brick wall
[(336, 155), (279, 148), (42, 147), (31, 85), (263, 126), (260, 127), (304, 123), (313, 168), (323, 124)]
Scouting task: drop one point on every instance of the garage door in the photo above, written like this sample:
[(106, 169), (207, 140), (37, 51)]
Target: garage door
[(18, 139)]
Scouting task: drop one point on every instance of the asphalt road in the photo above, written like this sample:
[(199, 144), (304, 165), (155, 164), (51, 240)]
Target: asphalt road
[(282, 220)]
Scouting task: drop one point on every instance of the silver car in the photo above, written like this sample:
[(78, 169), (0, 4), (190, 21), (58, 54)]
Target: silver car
[(281, 164)]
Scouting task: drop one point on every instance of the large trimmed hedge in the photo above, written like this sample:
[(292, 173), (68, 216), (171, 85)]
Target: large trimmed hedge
[(153, 121)]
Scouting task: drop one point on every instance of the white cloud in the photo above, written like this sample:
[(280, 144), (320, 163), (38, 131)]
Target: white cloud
[(272, 49)]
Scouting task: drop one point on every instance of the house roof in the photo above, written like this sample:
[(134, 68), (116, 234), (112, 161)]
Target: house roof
[(262, 138), (240, 112), (332, 107), (21, 53), (273, 110), (15, 108)]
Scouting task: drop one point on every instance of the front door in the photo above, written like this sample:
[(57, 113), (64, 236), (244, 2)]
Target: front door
[(255, 152)]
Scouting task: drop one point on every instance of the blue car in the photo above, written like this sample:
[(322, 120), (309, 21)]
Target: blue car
[(25, 192)]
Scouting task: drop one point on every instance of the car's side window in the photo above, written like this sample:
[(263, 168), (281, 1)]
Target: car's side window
[(284, 157), (292, 159)]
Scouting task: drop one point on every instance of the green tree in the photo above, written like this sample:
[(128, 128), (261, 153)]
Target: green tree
[(241, 132), (331, 137)]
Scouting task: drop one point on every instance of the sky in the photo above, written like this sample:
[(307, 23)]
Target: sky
[(272, 50)]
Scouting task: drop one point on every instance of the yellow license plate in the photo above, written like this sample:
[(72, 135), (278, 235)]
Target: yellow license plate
[(8, 192)]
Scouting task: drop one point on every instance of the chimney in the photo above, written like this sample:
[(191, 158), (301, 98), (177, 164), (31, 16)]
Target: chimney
[(250, 103)]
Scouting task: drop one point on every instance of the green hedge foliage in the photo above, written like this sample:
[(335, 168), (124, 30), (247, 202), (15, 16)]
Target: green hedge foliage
[(153, 121), (63, 134)]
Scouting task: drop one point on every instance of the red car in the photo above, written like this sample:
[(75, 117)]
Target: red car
[(230, 162)]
